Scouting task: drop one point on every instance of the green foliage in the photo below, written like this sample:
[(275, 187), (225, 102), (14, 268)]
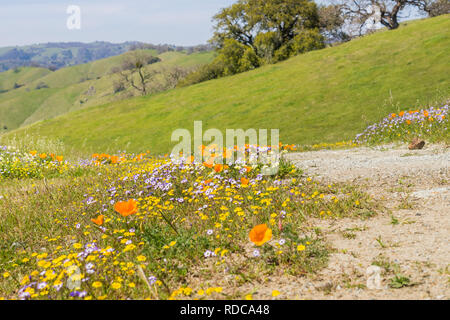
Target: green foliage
[(266, 44), (236, 57), (305, 41), (399, 281), (286, 168), (251, 33), (204, 73)]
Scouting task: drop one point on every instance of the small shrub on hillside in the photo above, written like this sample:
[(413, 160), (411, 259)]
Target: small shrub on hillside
[(118, 86), (41, 85), (211, 71), (17, 85)]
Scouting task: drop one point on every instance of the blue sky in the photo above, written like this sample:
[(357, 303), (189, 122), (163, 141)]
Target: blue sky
[(181, 22)]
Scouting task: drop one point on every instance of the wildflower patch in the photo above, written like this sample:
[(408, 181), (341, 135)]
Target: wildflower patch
[(430, 124), (137, 227)]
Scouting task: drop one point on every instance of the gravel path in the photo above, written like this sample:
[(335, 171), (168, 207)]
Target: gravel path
[(410, 238), (385, 162)]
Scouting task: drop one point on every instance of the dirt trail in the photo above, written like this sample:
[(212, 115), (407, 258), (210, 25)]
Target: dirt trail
[(410, 238)]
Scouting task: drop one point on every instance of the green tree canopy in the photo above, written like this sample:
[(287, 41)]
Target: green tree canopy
[(268, 26), (251, 33)]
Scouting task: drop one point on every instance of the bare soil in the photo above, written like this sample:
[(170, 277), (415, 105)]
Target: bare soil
[(410, 238)]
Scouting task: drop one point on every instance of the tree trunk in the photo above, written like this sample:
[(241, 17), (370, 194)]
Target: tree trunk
[(144, 90)]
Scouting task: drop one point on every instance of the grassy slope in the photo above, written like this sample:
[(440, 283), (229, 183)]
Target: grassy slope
[(23, 76), (68, 87), (321, 96)]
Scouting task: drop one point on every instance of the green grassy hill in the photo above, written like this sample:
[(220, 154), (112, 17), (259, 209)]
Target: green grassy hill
[(70, 88), (20, 76), (321, 96)]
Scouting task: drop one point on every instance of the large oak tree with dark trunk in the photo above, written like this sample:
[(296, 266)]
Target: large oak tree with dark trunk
[(386, 12), (245, 20), (251, 33)]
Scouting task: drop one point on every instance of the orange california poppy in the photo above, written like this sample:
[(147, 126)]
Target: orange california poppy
[(126, 208), (43, 155), (33, 153), (208, 165), (408, 121), (248, 168), (203, 151), (425, 113), (401, 113), (190, 160), (218, 168), (260, 234), (99, 220), (114, 159), (59, 158), (227, 154), (244, 181), (207, 181)]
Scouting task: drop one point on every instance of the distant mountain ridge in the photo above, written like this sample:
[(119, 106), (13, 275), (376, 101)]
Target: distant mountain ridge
[(58, 55)]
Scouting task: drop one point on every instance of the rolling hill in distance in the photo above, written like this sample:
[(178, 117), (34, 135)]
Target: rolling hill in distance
[(56, 55), (364, 79), (31, 94)]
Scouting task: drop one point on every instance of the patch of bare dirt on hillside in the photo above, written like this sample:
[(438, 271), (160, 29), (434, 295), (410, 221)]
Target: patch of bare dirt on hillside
[(410, 238)]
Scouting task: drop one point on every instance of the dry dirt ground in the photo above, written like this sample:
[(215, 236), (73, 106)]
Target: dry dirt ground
[(409, 238)]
